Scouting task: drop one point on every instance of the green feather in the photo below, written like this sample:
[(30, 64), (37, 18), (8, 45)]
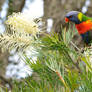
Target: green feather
[(85, 18)]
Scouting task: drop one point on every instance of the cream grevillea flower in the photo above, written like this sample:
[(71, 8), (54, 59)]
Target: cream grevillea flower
[(20, 33), (15, 41), (88, 55), (21, 23)]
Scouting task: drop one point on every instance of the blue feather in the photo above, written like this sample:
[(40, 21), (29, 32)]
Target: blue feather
[(86, 37)]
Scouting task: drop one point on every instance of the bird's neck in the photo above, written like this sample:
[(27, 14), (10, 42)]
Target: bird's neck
[(81, 19)]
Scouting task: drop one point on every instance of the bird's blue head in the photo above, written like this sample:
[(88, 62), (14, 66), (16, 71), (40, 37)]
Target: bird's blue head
[(73, 16)]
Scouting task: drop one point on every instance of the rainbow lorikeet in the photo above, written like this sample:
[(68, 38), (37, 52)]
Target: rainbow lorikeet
[(82, 23)]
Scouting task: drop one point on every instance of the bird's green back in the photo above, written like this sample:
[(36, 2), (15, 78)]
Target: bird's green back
[(85, 18)]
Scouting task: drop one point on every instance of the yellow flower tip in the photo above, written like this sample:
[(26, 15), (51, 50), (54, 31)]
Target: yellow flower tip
[(19, 22)]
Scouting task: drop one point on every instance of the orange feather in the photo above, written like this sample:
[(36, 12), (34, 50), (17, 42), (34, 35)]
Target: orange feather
[(84, 26)]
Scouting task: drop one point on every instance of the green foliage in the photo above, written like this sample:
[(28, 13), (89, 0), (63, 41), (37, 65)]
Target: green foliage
[(58, 68)]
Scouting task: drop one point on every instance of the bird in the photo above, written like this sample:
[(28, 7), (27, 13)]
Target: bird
[(82, 23)]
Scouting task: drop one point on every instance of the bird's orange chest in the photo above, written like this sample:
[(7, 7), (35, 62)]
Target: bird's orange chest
[(84, 27)]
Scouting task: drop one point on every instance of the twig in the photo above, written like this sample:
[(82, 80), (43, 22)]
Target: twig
[(75, 46), (62, 80)]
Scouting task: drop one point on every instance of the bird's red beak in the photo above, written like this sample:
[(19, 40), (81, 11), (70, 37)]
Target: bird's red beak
[(66, 20)]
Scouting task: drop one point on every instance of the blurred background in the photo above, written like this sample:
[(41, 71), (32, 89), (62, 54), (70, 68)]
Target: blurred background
[(52, 13)]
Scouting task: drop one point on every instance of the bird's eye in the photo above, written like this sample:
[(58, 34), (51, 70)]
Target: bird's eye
[(70, 16)]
